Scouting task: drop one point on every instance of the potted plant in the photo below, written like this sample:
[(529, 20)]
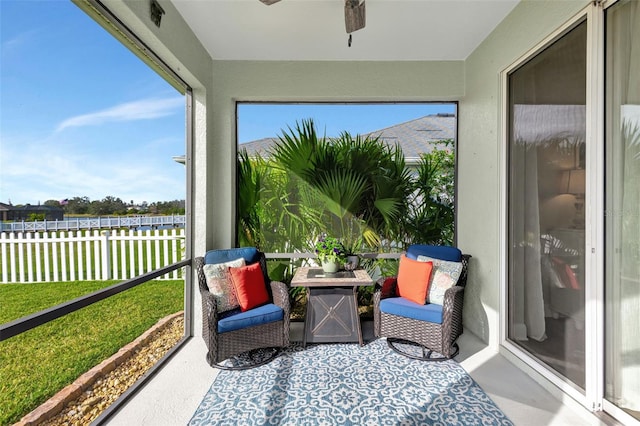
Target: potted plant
[(354, 240), (351, 252), (331, 253)]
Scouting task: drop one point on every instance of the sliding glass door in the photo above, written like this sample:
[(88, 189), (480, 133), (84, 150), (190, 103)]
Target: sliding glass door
[(547, 103), (622, 215), (573, 278)]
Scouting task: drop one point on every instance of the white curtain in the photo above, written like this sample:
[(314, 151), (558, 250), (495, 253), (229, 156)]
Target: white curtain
[(539, 124), (528, 302), (623, 206), (534, 126)]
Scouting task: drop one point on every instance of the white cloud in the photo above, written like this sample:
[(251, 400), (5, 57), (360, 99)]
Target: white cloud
[(18, 41), (144, 109), (40, 171)]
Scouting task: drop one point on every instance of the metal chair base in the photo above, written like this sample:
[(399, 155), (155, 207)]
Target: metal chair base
[(250, 359), (427, 354)]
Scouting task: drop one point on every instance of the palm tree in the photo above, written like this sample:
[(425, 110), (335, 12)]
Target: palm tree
[(249, 212), (354, 188), (354, 179), (430, 219)]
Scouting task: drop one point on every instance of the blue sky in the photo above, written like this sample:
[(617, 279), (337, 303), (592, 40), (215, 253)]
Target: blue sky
[(80, 115), (261, 120)]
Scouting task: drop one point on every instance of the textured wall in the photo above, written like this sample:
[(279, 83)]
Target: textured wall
[(480, 143), (319, 81)]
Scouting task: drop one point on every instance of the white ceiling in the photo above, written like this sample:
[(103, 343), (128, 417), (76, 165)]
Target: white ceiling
[(396, 30)]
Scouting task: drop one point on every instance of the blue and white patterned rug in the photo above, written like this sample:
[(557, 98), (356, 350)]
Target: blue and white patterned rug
[(345, 384)]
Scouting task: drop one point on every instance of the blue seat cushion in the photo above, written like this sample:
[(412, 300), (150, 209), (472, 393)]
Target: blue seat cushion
[(448, 253), (236, 320), (405, 308), (250, 255)]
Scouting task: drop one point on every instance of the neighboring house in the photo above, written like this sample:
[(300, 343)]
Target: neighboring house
[(4, 211), (414, 137), (9, 212)]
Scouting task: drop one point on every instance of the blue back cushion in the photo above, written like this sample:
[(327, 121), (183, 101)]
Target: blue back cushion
[(250, 255), (451, 254)]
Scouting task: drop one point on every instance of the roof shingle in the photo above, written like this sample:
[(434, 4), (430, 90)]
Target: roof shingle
[(414, 137)]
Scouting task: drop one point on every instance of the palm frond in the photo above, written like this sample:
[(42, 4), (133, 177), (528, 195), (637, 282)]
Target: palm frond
[(341, 191)]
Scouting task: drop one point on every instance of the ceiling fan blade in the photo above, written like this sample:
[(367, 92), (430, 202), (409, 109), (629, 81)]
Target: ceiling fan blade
[(354, 15), (269, 2)]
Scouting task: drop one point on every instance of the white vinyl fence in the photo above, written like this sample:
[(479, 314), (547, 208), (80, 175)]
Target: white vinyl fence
[(88, 255)]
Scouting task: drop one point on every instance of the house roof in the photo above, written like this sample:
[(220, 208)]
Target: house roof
[(39, 207), (414, 137), (420, 135)]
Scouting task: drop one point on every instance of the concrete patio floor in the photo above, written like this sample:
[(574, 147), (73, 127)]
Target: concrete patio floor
[(173, 394)]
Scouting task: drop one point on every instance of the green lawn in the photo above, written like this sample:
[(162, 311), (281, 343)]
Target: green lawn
[(37, 364)]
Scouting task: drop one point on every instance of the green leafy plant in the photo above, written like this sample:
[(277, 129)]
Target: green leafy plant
[(430, 217), (250, 176), (36, 217), (330, 249), (356, 188)]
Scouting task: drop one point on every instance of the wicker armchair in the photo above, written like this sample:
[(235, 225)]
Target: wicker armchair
[(403, 331), (246, 345)]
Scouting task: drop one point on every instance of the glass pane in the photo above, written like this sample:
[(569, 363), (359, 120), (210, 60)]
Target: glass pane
[(546, 205), (622, 283)]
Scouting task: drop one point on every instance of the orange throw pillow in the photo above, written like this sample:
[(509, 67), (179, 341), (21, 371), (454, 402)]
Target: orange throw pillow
[(413, 279), (250, 287)]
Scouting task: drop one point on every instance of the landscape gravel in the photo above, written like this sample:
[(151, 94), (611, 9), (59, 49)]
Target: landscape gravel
[(105, 390)]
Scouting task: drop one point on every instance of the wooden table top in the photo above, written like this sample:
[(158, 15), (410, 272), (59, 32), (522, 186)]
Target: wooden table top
[(318, 278)]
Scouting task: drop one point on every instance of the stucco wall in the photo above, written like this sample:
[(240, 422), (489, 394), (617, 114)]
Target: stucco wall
[(314, 81), (479, 161)]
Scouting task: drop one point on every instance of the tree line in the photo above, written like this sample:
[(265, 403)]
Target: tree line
[(114, 206)]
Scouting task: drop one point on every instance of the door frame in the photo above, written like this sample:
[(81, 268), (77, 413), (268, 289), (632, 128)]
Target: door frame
[(592, 395)]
